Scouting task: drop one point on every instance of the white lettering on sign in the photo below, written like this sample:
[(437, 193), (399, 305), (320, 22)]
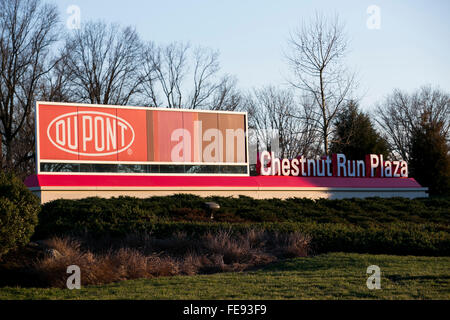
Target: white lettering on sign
[(337, 166), (102, 133), (213, 151)]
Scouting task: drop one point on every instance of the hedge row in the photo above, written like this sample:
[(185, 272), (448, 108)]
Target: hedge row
[(401, 239), (182, 207), (370, 225)]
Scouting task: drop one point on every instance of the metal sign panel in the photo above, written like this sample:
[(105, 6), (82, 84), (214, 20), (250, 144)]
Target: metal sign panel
[(81, 133)]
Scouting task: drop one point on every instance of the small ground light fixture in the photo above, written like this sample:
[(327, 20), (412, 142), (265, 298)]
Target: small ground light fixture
[(211, 206)]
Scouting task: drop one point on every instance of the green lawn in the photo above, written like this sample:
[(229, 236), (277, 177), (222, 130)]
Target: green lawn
[(327, 276)]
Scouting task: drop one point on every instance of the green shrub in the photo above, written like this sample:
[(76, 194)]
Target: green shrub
[(400, 239), (19, 210), (374, 225)]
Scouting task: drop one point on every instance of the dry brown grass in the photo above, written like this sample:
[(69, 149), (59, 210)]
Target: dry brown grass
[(112, 266), (291, 245), (145, 257)]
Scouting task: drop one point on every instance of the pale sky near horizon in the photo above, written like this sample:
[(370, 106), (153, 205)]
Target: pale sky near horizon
[(410, 49)]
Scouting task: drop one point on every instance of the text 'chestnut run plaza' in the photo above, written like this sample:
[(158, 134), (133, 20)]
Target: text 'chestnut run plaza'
[(100, 150), (336, 166)]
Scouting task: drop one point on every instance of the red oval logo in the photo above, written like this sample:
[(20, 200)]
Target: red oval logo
[(90, 133)]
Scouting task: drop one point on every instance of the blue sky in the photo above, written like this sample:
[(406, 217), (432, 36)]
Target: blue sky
[(409, 50)]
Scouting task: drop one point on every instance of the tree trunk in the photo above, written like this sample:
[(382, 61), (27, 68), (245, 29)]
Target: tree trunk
[(324, 115), (325, 141), (1, 153), (8, 156)]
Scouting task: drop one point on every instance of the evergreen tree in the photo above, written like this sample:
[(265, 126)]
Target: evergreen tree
[(429, 157), (355, 135)]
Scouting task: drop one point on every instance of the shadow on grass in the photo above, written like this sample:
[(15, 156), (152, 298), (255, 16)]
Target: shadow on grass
[(314, 263), (397, 277)]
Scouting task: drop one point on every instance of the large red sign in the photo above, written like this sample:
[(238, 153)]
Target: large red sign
[(78, 132)]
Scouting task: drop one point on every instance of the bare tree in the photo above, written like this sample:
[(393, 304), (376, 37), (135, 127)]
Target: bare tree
[(56, 84), (401, 113), (28, 29), (206, 66), (226, 96), (164, 71), (316, 57), (178, 76), (103, 63), (273, 110)]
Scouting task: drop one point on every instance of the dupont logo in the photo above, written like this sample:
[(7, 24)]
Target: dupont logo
[(90, 133)]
